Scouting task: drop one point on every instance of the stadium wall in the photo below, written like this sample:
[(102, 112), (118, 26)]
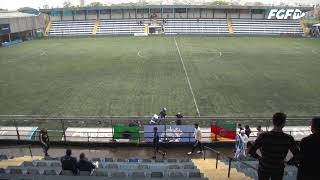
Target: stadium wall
[(21, 24)]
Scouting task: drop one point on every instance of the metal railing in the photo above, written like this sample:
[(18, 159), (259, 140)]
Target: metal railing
[(218, 154), (205, 148), (57, 125), (28, 146), (242, 162)]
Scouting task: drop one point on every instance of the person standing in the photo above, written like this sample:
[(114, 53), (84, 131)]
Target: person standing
[(163, 113), (259, 131), (156, 144), (179, 118), (310, 149), (154, 120), (274, 146), (247, 130), (44, 140), (197, 136), (241, 145), (240, 127)]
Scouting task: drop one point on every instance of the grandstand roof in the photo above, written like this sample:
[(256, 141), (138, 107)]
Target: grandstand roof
[(180, 6), (14, 14)]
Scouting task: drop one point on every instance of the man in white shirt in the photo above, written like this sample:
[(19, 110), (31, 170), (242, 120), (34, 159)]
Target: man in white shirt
[(154, 120), (197, 136), (241, 145)]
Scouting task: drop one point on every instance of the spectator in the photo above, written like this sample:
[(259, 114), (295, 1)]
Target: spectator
[(240, 127), (241, 145), (163, 113), (156, 144), (310, 148), (274, 146), (154, 120), (68, 162), (259, 131), (197, 136), (179, 118), (84, 164), (44, 140), (247, 131)]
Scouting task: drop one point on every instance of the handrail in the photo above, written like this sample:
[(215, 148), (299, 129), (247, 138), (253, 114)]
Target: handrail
[(213, 150)]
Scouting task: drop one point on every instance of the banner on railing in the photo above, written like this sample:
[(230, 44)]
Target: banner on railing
[(25, 133), (171, 133), (223, 131), (126, 132), (88, 134)]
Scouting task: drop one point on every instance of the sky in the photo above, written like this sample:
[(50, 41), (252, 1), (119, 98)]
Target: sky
[(15, 4)]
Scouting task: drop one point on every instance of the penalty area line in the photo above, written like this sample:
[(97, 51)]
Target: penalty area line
[(188, 79)]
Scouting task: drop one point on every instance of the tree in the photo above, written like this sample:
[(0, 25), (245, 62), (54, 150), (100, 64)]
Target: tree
[(258, 3), (95, 4), (67, 4), (220, 3), (46, 6), (28, 10)]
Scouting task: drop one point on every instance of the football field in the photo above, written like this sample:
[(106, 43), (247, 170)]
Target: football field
[(136, 76)]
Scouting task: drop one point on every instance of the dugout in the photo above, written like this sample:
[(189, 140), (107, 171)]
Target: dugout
[(17, 25)]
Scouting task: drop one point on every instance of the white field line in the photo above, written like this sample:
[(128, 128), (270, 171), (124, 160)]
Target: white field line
[(188, 79)]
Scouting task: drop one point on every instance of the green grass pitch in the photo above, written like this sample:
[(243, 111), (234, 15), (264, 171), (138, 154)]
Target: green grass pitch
[(136, 76)]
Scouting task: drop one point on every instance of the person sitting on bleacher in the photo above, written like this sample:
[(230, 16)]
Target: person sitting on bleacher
[(68, 162), (84, 165)]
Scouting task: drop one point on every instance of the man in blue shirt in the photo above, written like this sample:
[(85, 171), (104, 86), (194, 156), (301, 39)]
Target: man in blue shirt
[(84, 164), (68, 162)]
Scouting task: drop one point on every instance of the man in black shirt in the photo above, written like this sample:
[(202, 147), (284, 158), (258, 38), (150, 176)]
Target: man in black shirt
[(44, 140), (179, 118), (68, 162), (247, 130), (310, 149), (156, 144), (274, 146), (84, 164)]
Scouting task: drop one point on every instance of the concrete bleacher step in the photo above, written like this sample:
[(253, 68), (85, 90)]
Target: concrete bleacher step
[(18, 161), (207, 167)]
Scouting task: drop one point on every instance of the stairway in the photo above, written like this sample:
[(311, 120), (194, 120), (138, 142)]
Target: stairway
[(208, 168)]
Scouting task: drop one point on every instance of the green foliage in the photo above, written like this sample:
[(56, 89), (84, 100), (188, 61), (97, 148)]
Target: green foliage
[(67, 4), (95, 4), (220, 3), (28, 10)]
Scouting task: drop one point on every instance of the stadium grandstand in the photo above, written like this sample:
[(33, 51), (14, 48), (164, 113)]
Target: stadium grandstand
[(86, 97), (17, 26), (215, 20)]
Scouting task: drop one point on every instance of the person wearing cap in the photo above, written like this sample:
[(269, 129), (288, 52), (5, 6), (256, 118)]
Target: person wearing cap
[(156, 144), (179, 118), (154, 120), (241, 145), (44, 140)]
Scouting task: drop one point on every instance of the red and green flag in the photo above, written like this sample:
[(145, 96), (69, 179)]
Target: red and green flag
[(126, 132), (223, 131)]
